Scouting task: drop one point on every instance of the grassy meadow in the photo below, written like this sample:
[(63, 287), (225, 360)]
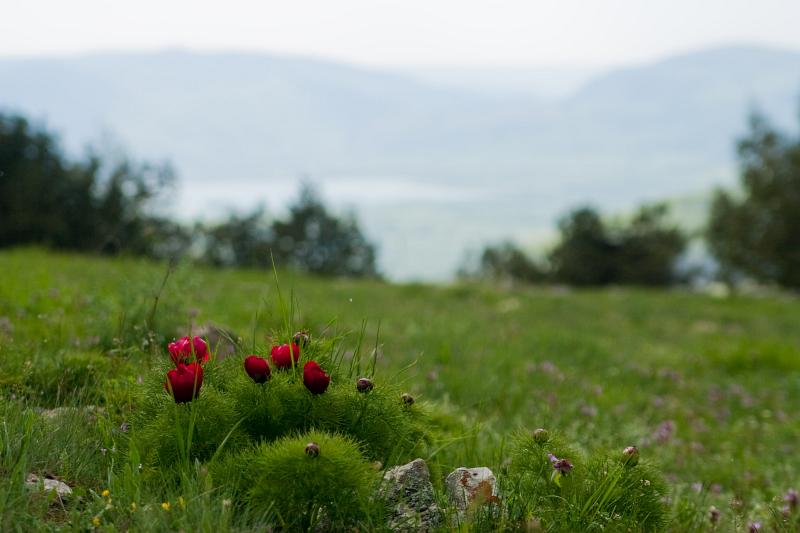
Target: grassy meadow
[(707, 387)]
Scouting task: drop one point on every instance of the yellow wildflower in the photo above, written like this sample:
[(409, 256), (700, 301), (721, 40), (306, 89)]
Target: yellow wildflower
[(165, 506), (96, 521), (105, 493), (133, 506), (181, 502)]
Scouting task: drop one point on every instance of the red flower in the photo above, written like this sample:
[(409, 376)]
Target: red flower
[(315, 379), (282, 355), (181, 350), (257, 368), (184, 382)]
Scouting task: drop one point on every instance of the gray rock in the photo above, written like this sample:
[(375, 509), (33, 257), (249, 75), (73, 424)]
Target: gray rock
[(408, 491), (47, 485), (223, 341), (468, 486)]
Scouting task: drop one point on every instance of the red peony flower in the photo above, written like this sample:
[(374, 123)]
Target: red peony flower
[(282, 355), (257, 368), (315, 379), (181, 350), (184, 382)]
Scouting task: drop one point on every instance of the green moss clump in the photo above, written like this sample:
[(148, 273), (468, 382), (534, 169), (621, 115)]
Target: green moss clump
[(299, 489), (387, 429), (598, 493), (161, 430)]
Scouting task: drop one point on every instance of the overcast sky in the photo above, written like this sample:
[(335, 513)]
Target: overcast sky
[(404, 32)]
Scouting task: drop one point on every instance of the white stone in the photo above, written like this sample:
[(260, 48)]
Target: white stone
[(48, 485), (467, 486)]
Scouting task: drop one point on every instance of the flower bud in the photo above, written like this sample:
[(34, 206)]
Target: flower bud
[(312, 449), (314, 378), (407, 398), (541, 435), (630, 456), (364, 385), (257, 368), (282, 355), (301, 338), (184, 382)]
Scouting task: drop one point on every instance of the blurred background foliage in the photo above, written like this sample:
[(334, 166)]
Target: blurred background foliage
[(94, 205)]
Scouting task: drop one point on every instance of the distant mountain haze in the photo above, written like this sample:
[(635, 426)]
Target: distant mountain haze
[(433, 161)]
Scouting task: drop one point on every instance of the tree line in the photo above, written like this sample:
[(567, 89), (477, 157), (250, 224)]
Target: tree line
[(591, 252), (92, 205), (752, 232)]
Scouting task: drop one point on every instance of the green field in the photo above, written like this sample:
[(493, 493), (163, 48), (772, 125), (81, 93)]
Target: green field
[(708, 388)]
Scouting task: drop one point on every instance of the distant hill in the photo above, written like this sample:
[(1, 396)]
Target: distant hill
[(431, 164)]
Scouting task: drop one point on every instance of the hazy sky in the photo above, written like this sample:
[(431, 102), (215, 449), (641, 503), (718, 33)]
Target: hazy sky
[(403, 32)]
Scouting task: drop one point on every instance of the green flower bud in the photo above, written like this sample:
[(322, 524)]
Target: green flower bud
[(630, 456), (541, 435)]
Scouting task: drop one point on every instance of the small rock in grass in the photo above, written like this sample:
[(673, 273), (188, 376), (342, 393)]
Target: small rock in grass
[(48, 485), (471, 486), (409, 492), (221, 340)]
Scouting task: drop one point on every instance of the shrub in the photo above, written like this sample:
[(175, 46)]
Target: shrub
[(169, 434), (282, 478), (598, 493), (756, 234), (388, 430)]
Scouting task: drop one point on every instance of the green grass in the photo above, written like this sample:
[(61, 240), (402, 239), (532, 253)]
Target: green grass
[(708, 388)]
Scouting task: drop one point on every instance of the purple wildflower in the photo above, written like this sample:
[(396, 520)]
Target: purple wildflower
[(791, 498), (754, 527), (563, 466)]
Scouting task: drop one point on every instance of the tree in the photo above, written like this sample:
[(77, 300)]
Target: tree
[(313, 240), (85, 205), (649, 248), (585, 254), (642, 252), (505, 262), (310, 239), (244, 241), (757, 234)]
